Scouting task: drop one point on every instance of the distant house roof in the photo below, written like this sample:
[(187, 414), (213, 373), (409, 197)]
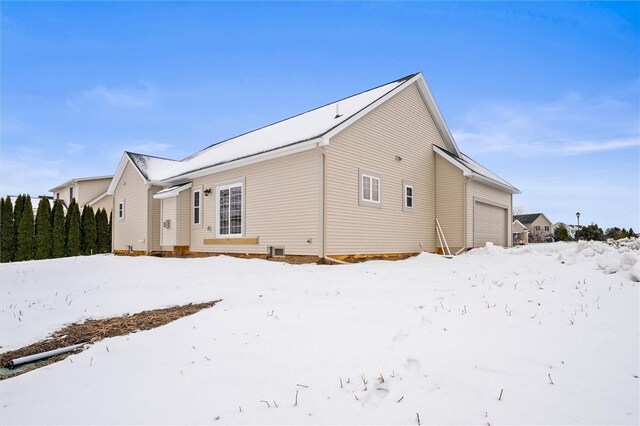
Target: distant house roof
[(76, 180), (528, 218), (471, 167), (35, 201)]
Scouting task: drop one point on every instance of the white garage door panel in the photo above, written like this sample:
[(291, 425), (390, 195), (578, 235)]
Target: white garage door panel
[(489, 225)]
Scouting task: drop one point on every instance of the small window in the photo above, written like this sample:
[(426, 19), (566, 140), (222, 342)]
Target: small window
[(197, 207), (121, 210), (57, 195), (70, 194), (408, 195), (537, 227), (370, 188), (546, 228)]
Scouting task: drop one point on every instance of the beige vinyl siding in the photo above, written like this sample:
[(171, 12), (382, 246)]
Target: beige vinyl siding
[(184, 218), (281, 205), (89, 190), (64, 194), (105, 202), (168, 206), (477, 191), (132, 231), (450, 203), (539, 235), (402, 127), (154, 220)]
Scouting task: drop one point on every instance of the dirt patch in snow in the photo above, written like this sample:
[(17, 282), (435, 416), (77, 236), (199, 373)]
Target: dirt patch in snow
[(93, 330)]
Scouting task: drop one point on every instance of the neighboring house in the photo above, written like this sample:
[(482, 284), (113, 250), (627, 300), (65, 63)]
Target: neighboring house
[(91, 191), (35, 201), (539, 226), (571, 229), (366, 175), (520, 233)]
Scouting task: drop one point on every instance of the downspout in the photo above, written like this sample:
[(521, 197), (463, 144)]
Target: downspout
[(321, 201), (323, 196), (466, 212)]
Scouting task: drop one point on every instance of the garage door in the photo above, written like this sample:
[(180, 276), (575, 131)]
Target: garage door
[(489, 225)]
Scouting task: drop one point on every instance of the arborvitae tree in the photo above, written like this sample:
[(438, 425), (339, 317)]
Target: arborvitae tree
[(631, 233), (57, 230), (25, 243), (110, 231), (88, 231), (7, 231), (17, 215), (102, 231), (561, 233), (72, 226), (43, 230)]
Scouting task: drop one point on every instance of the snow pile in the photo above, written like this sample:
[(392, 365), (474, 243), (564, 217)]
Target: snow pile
[(609, 258), (621, 256), (371, 343)]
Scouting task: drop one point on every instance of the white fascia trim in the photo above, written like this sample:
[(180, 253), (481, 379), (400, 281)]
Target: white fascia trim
[(173, 193), (437, 115), (465, 170), (470, 173), (121, 166), (495, 184), (277, 153), (520, 223), (331, 133), (98, 198)]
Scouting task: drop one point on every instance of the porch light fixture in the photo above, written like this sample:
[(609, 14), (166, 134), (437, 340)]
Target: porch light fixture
[(207, 192)]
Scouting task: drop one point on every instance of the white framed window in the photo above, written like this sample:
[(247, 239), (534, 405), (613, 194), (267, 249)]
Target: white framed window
[(121, 210), (196, 207), (70, 194), (370, 189), (546, 228), (408, 195), (230, 210)]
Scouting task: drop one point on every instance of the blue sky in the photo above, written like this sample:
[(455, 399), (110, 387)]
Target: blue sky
[(547, 95)]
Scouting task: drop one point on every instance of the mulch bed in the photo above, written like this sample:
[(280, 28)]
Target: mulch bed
[(93, 330)]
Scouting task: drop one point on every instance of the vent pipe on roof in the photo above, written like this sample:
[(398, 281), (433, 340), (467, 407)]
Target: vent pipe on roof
[(338, 115)]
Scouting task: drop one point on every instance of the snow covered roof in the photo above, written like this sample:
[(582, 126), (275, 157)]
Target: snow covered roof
[(473, 167), (171, 191), (303, 127), (76, 180)]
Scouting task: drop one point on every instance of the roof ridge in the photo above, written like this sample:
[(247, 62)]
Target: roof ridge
[(152, 156), (403, 79)]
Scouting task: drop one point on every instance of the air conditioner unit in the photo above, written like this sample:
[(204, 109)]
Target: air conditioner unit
[(166, 224)]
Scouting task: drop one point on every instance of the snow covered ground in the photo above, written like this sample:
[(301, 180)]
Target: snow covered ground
[(429, 336)]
